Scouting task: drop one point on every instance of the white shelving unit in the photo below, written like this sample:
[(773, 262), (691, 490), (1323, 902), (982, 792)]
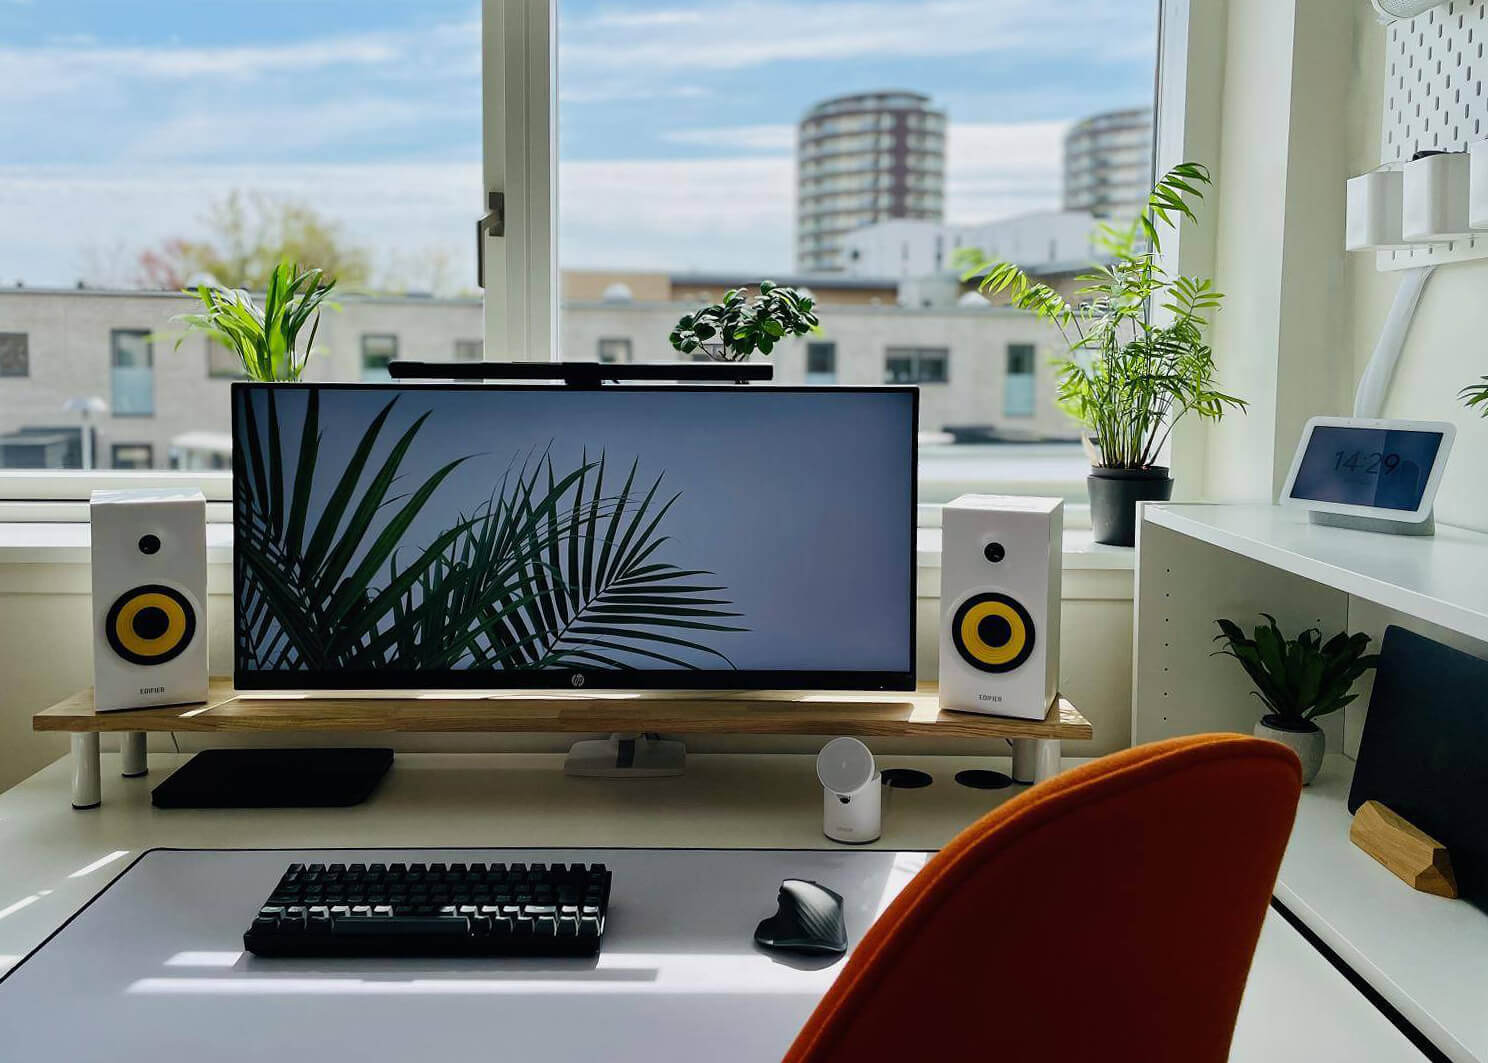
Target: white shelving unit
[(1441, 578), (1426, 956)]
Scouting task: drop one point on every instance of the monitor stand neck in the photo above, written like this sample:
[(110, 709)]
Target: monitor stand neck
[(626, 756)]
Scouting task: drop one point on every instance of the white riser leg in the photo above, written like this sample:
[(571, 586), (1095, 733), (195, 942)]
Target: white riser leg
[(87, 790), (132, 754), (1035, 759)]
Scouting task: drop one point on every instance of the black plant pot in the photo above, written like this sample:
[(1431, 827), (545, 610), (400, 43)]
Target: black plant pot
[(1114, 494)]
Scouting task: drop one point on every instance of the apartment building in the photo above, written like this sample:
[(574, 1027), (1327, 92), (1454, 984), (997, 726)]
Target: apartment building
[(983, 371)]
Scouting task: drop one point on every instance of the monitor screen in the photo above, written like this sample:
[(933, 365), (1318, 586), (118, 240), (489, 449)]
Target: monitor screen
[(1385, 468), (510, 536)]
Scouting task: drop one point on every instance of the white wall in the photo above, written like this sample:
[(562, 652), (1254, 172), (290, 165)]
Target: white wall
[(1299, 112), (1445, 350), (45, 655)]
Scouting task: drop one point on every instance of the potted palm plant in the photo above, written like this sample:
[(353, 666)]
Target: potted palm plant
[(1137, 360), (736, 327), (1298, 680), (265, 338)]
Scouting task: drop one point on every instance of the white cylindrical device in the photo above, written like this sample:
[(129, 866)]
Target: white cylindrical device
[(1390, 10), (852, 792)]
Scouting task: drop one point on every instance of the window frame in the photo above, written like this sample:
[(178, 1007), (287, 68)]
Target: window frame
[(115, 447), (362, 352), (625, 343), (25, 355), (148, 336)]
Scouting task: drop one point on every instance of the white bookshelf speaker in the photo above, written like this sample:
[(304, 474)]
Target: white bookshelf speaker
[(149, 553), (1001, 559)]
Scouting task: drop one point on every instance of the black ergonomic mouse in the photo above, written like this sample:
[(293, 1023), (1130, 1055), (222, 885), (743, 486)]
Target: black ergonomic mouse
[(808, 919)]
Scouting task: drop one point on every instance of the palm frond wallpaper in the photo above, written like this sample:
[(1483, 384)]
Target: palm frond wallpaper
[(381, 530)]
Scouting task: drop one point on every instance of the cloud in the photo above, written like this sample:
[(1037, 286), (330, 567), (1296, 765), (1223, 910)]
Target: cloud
[(62, 68), (995, 170), (664, 41), (734, 212), (771, 138)]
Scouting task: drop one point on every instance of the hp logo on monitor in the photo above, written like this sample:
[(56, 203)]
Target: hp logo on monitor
[(577, 680)]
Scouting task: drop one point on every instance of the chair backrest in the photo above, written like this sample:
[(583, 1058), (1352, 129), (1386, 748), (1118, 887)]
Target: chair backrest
[(1110, 913)]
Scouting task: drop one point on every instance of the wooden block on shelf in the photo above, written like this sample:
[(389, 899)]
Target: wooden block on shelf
[(1416, 858)]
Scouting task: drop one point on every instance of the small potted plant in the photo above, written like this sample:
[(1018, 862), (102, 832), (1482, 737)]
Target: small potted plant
[(1298, 680), (1137, 358), (732, 330), (266, 339)]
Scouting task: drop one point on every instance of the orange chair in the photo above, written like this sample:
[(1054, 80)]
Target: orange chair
[(1108, 914)]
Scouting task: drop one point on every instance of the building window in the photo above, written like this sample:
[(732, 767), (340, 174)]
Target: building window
[(378, 349), (222, 363), (132, 456), (132, 373), (916, 365), (15, 355), (1018, 387), (821, 363), (468, 350), (614, 350)]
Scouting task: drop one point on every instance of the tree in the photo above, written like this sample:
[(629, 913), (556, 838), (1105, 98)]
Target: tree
[(247, 236)]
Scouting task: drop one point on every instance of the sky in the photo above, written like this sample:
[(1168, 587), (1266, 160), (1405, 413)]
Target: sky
[(120, 123)]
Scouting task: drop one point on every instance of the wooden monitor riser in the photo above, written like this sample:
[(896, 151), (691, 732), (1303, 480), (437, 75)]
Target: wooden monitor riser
[(865, 715)]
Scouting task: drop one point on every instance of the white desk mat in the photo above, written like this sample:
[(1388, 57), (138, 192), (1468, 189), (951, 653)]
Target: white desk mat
[(154, 968)]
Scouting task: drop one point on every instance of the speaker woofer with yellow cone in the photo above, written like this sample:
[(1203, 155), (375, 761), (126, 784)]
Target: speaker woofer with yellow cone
[(151, 624), (993, 632)]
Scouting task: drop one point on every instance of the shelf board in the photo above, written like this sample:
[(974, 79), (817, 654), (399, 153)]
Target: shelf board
[(1442, 579), (1426, 955), (882, 715)]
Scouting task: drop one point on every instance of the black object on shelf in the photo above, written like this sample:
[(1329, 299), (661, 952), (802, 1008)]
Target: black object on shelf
[(977, 779), (274, 778), (586, 374), (906, 779), (1424, 750)]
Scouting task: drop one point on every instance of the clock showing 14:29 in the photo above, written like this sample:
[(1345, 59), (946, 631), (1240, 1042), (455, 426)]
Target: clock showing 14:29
[(1363, 463)]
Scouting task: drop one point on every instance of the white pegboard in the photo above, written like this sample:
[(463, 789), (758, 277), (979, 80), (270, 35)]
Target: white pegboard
[(1435, 67)]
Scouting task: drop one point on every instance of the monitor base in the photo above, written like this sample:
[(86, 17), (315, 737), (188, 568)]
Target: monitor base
[(626, 756)]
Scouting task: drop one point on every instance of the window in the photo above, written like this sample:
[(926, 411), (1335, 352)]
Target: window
[(614, 350), (378, 349), (132, 456), (223, 364), (1018, 388), (664, 172), (912, 365), (132, 373), (821, 363), (671, 172), (385, 202), (15, 358)]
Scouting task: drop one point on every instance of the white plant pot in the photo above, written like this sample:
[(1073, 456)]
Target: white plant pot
[(1308, 745)]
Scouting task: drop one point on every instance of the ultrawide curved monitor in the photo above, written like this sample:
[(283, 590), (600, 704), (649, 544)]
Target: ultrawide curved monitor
[(497, 536)]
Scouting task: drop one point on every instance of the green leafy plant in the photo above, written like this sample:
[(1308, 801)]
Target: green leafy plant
[(1476, 395), (1129, 374), (266, 339), (552, 570), (732, 330), (1298, 679)]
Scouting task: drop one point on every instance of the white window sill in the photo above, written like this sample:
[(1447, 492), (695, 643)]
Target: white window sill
[(48, 543)]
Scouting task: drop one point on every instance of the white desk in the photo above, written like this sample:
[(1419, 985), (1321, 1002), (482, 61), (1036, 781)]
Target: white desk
[(1296, 1008)]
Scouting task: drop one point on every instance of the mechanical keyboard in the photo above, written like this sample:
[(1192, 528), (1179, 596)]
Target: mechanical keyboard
[(436, 909)]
